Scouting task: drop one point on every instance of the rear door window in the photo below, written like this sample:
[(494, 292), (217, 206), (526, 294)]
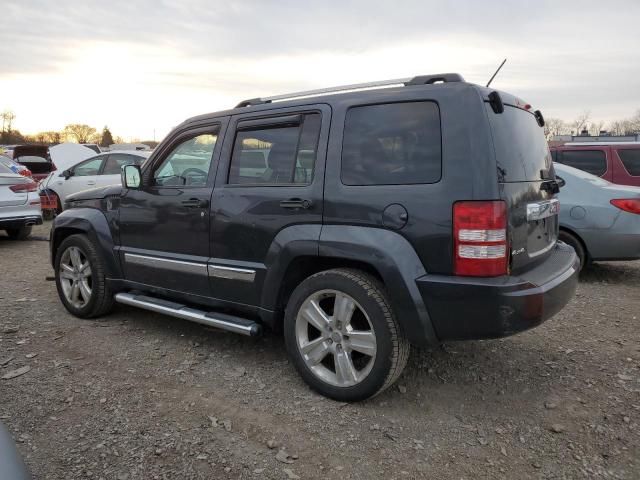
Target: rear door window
[(590, 161), (631, 161), (392, 144), (115, 162)]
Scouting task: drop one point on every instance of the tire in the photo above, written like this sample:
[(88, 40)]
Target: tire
[(574, 242), (98, 299), (19, 233), (350, 359)]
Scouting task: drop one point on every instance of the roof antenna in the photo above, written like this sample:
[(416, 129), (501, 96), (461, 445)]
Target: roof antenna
[(494, 75)]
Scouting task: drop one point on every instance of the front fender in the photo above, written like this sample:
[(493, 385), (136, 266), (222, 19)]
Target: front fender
[(93, 223), (396, 261)]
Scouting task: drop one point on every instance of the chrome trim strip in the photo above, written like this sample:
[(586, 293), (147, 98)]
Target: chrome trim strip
[(540, 210), (231, 273), (166, 264)]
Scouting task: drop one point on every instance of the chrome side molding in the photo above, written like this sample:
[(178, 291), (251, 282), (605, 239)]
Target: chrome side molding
[(166, 264), (231, 273)]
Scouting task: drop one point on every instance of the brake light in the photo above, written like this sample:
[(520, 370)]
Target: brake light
[(24, 187), (25, 173), (631, 205), (480, 238)]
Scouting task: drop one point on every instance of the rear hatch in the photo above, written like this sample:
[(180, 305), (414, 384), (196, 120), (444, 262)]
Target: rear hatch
[(526, 180), (35, 157)]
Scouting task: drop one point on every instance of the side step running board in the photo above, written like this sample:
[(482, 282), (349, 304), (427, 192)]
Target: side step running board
[(231, 323)]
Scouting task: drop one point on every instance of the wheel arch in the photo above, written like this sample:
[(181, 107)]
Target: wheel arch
[(572, 232)]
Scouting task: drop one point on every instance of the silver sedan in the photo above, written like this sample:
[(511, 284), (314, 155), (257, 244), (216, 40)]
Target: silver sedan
[(599, 219)]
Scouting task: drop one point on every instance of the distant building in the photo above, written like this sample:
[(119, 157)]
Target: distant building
[(584, 137)]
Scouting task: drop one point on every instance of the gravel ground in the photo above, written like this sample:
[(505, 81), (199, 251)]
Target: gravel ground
[(139, 396)]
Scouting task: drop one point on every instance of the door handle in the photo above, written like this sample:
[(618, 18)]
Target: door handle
[(295, 203), (195, 203), (91, 183)]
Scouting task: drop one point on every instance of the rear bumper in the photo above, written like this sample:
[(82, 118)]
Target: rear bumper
[(464, 308), (19, 222)]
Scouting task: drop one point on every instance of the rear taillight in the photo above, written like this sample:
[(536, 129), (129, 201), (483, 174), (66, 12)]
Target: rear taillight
[(631, 205), (480, 238), (25, 173), (24, 187)]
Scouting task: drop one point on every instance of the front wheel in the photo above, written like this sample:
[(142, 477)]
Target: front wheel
[(80, 278), (342, 335)]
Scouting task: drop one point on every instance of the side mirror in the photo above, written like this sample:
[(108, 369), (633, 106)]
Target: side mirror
[(131, 176), (560, 181), (66, 174)]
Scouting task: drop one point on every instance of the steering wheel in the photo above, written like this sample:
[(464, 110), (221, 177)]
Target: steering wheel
[(192, 171)]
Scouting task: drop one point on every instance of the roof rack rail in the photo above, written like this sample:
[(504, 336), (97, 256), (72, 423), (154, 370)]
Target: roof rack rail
[(407, 82)]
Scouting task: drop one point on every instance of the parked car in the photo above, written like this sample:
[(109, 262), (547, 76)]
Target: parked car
[(36, 158), (15, 167), (12, 466), (19, 204), (616, 162), (412, 214), (600, 220), (98, 171)]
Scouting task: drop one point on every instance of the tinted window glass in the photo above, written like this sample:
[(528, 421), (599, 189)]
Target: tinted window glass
[(88, 167), (554, 155), (591, 161), (521, 148), (631, 161), (188, 163), (276, 155), (392, 144), (115, 162)]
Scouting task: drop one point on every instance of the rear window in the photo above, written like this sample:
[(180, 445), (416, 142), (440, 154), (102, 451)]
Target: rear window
[(31, 159), (631, 161), (520, 146), (392, 144), (591, 161)]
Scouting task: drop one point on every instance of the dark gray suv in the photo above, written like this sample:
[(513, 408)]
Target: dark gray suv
[(358, 220)]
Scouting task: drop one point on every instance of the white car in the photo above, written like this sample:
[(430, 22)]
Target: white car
[(19, 204), (98, 171)]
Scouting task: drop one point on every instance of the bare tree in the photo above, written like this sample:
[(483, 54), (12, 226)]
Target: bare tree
[(580, 122), (595, 128), (554, 127), (7, 119), (80, 132)]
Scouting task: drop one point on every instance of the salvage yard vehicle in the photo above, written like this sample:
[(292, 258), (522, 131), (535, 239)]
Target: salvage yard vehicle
[(19, 204), (617, 162), (97, 171), (386, 214), (599, 219), (36, 158), (15, 167)]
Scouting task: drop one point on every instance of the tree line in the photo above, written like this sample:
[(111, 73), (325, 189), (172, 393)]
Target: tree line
[(557, 126), (74, 132)]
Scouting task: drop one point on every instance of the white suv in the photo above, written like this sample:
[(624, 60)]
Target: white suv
[(99, 171)]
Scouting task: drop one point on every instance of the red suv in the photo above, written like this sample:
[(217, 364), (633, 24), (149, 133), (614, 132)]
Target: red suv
[(617, 162)]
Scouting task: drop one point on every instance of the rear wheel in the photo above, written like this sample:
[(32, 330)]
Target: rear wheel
[(342, 335), (80, 278), (19, 233), (574, 242)]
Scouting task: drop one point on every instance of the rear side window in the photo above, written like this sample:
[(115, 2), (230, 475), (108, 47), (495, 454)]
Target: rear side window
[(631, 161), (276, 155), (521, 149), (115, 162), (590, 161), (392, 144)]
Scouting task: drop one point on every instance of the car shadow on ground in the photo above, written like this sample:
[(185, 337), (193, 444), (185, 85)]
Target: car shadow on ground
[(611, 272)]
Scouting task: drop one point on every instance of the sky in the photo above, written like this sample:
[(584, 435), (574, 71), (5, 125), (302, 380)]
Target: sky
[(143, 66)]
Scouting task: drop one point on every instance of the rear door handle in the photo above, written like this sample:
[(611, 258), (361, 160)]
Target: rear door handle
[(195, 203), (295, 203), (91, 182)]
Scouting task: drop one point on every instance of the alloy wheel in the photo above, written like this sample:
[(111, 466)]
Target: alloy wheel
[(75, 277)]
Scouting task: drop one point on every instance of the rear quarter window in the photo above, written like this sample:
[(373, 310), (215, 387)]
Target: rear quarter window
[(590, 161), (631, 161), (392, 144)]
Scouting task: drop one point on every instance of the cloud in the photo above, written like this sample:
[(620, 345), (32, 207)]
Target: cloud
[(196, 56)]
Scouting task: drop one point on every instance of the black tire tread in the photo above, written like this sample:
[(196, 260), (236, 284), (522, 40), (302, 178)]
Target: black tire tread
[(19, 233), (375, 289)]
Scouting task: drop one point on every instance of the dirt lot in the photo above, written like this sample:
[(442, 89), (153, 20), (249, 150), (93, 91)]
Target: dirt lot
[(140, 396)]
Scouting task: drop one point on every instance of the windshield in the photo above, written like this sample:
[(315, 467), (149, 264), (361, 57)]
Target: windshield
[(521, 148)]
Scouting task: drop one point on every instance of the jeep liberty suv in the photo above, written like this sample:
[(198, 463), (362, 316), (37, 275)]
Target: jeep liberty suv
[(358, 220)]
